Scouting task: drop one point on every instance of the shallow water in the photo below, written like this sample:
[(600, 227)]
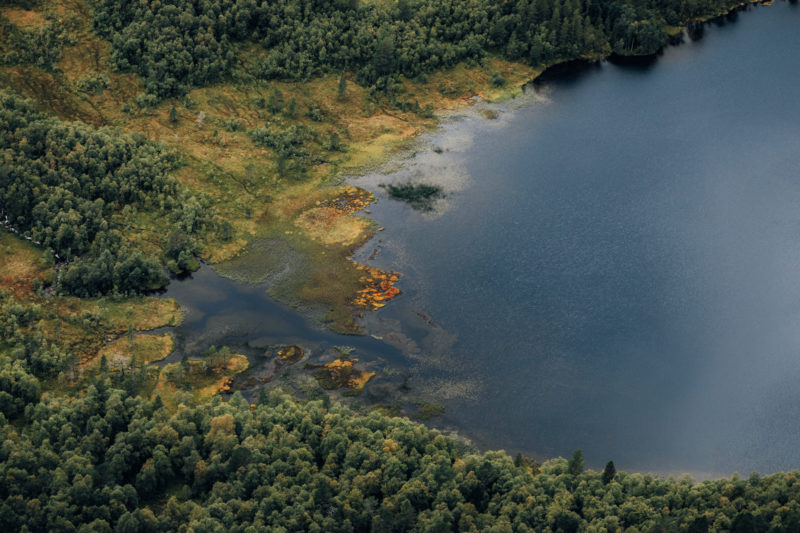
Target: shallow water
[(221, 312), (616, 266)]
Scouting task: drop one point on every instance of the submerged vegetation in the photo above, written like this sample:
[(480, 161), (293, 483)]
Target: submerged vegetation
[(139, 137), (420, 196)]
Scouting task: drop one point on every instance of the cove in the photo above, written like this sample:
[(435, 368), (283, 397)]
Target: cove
[(615, 266), (221, 312)]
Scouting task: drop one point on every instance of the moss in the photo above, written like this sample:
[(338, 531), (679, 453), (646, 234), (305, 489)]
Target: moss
[(290, 354), (146, 348), (429, 410), (386, 409), (195, 376), (341, 373)]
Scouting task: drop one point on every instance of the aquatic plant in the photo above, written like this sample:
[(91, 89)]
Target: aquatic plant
[(419, 196)]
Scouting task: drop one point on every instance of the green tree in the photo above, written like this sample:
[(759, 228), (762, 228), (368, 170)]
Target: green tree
[(275, 102), (575, 466), (608, 473)]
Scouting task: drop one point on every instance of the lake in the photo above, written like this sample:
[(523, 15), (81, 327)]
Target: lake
[(616, 264)]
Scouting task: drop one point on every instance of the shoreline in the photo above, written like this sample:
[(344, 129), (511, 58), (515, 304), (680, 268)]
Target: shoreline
[(426, 143)]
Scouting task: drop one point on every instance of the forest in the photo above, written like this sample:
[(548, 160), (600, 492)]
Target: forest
[(179, 44), (72, 188), (112, 211), (111, 462)]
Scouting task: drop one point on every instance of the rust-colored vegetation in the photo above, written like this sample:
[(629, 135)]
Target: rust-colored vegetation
[(342, 373), (378, 287)]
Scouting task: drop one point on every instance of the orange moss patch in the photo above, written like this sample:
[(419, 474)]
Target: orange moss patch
[(226, 386), (290, 354), (202, 385), (341, 373), (378, 287), (332, 221)]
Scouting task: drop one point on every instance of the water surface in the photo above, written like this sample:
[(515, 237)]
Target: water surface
[(616, 266)]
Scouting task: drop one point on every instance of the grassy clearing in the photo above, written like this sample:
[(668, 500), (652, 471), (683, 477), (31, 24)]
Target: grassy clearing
[(142, 313), (146, 348), (24, 19), (21, 263)]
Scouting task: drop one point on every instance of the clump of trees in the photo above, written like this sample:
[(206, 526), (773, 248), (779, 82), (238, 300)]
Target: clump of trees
[(76, 190), (178, 44), (42, 46), (26, 351), (109, 462)]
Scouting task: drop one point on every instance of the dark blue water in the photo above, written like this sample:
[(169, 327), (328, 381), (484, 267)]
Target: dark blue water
[(616, 266)]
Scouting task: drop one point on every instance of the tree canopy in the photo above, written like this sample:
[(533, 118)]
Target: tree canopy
[(75, 189), (108, 462), (178, 44)]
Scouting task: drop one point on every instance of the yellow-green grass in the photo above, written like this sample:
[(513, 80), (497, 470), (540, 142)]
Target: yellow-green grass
[(24, 18), (146, 348), (141, 313), (21, 263)]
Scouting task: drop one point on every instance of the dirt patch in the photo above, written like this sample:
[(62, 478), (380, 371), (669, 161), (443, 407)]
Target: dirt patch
[(25, 19)]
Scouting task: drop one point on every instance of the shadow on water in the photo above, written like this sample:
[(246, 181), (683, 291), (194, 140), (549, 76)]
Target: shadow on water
[(573, 71), (567, 72), (696, 30)]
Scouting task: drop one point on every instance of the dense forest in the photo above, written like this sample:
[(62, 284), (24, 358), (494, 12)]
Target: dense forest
[(109, 462), (183, 43), (73, 188)]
